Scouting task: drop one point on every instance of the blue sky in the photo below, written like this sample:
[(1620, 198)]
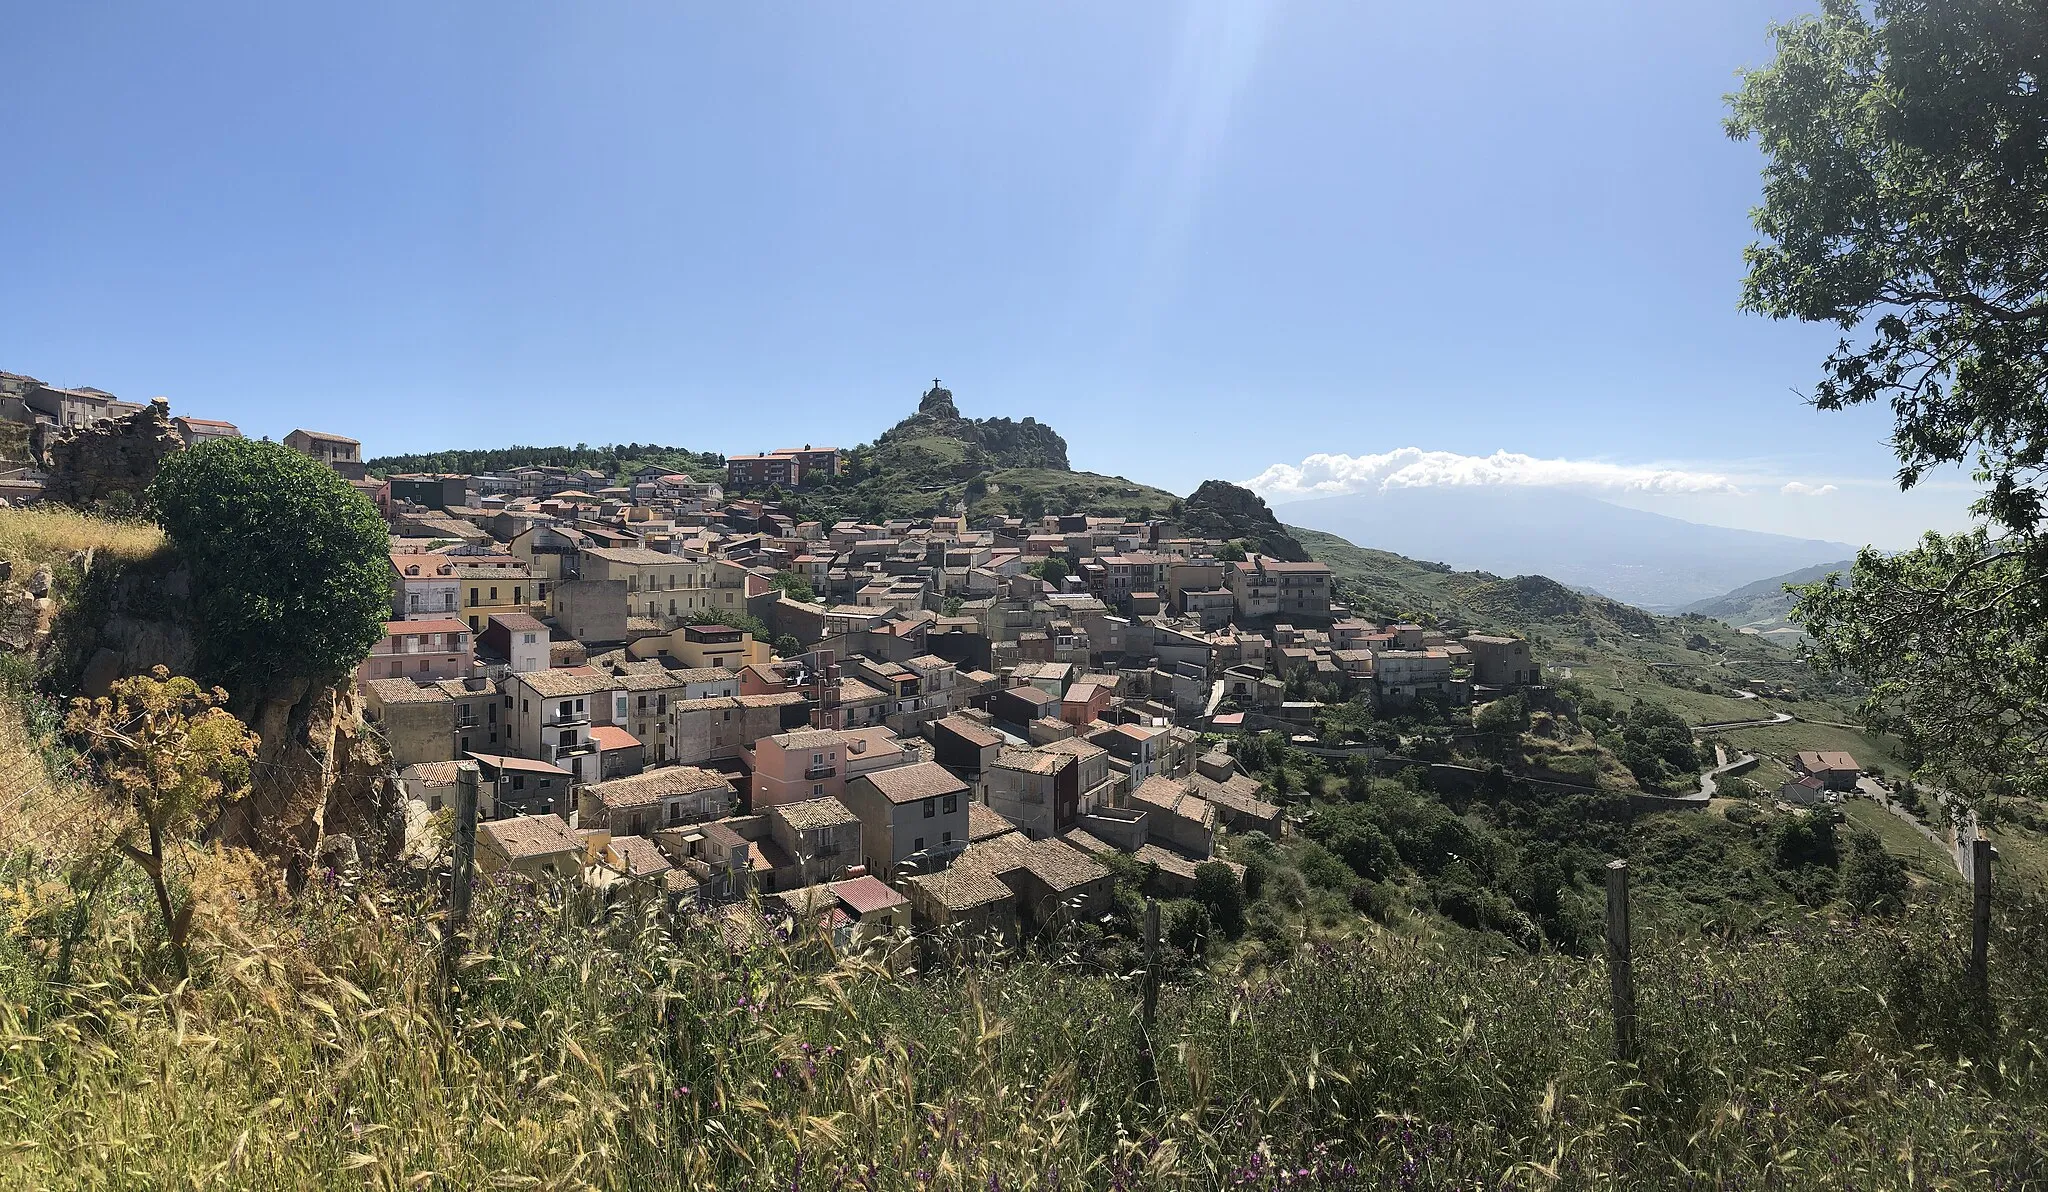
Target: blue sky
[(1200, 240)]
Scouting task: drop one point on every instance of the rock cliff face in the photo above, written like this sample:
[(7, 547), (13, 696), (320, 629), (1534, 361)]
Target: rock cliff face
[(319, 770), (319, 774), (1005, 443), (109, 460)]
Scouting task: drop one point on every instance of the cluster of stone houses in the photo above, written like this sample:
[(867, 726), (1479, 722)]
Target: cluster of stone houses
[(942, 739)]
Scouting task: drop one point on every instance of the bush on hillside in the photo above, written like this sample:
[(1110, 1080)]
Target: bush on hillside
[(290, 576)]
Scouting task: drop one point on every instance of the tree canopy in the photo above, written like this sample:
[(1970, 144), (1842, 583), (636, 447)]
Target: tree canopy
[(290, 572), (1903, 187), (1905, 201)]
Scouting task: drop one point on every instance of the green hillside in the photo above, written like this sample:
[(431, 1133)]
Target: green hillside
[(1691, 663), (1765, 606)]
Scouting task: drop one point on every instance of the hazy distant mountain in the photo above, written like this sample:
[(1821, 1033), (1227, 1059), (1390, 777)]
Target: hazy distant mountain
[(1765, 605), (1647, 559)]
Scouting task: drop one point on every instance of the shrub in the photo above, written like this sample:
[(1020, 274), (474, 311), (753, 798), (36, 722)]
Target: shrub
[(1372, 898), (1322, 868), (290, 575), (1217, 889), (1873, 881)]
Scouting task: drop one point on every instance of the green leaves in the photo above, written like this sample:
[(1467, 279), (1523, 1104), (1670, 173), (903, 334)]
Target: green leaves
[(289, 566), (1904, 187)]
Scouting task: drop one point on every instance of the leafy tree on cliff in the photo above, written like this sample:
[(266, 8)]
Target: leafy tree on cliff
[(290, 572), (1906, 202)]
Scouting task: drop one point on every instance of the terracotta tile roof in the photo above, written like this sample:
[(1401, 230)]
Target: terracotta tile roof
[(985, 822), (530, 836), (959, 889), (1172, 796), (567, 680), (915, 782), (1812, 760), (1088, 842), (644, 790), (404, 691), (437, 773), (852, 690), (1032, 761), (639, 556), (639, 856), (1178, 864), (1059, 866), (780, 699), (971, 731), (812, 814), (1239, 794), (523, 622), (1074, 747), (611, 736), (809, 738), (867, 895), (644, 679)]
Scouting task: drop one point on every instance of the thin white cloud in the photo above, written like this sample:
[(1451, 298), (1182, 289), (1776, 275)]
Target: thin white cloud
[(1325, 475), (1794, 488)]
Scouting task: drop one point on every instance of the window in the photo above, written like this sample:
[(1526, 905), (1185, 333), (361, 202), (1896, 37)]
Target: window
[(494, 595), (473, 598), (519, 782), (515, 596), (397, 669), (945, 838), (491, 711), (563, 713), (579, 705), (423, 666), (931, 808), (817, 759), (619, 707), (952, 805), (527, 640), (817, 789), (643, 704), (568, 737), (917, 846)]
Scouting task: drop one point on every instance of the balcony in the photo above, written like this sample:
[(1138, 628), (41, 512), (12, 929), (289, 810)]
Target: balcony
[(813, 773), (574, 720)]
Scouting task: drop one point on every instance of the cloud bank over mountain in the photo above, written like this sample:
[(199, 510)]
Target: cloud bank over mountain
[(1332, 475)]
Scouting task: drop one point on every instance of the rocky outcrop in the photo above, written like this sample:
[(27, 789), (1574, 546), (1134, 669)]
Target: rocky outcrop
[(111, 460), (319, 773), (319, 770), (993, 442), (1220, 509)]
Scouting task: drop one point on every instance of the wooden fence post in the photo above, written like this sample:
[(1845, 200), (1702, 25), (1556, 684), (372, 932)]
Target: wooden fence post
[(1620, 962), (1148, 1074), (455, 930), (1980, 923)]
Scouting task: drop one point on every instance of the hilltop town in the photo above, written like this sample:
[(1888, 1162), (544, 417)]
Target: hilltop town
[(667, 679)]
